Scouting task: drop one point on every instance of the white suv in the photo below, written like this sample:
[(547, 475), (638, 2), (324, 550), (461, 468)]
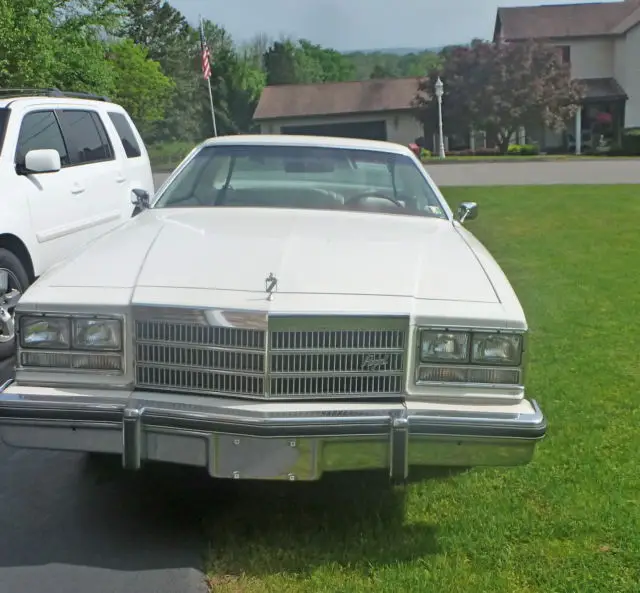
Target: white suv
[(69, 163)]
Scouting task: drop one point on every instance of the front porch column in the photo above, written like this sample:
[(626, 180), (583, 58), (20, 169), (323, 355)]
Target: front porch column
[(579, 131), (472, 140)]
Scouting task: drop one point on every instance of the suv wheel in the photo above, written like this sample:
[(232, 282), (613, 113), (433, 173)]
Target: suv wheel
[(19, 282)]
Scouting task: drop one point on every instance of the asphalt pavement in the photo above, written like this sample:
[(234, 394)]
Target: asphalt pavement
[(589, 171), (69, 527)]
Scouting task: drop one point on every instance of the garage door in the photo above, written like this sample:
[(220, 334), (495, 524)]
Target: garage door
[(376, 130)]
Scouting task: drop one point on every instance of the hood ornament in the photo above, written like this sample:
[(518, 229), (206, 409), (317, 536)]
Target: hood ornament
[(270, 285)]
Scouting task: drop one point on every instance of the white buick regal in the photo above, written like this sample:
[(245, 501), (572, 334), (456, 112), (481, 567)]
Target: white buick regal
[(284, 306)]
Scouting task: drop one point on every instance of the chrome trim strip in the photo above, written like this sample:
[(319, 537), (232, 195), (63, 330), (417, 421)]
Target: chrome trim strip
[(391, 420), (132, 438), (209, 317), (399, 450)]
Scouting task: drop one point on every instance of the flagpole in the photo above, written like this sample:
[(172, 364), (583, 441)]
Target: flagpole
[(213, 111)]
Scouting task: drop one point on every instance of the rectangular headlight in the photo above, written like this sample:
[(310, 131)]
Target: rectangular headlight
[(97, 334), (438, 346), (496, 349), (52, 333)]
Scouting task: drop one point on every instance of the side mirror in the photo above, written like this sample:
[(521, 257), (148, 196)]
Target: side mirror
[(46, 160), (467, 211), (140, 199)]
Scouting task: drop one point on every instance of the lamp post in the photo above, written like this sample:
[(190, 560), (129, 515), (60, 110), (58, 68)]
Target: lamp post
[(439, 93)]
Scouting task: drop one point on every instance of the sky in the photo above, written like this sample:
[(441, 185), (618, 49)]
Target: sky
[(357, 24)]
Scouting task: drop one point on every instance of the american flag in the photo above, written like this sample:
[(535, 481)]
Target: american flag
[(205, 55)]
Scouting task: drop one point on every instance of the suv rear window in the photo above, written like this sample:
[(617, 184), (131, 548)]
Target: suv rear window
[(4, 118), (86, 137), (129, 142)]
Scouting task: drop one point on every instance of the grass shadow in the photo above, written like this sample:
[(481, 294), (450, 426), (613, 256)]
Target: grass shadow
[(347, 520)]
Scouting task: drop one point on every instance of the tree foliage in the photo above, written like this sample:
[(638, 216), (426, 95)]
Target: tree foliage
[(140, 86), (392, 65), (500, 87), (146, 56), (302, 62)]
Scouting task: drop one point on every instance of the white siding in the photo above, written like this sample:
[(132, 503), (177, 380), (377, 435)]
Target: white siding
[(591, 58), (631, 82), (403, 128), (620, 61)]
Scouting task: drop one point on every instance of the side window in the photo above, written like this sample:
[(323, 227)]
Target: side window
[(40, 130), (127, 137), (86, 137)]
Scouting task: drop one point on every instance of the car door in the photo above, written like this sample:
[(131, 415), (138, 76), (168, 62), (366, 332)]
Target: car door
[(54, 208), (98, 178)]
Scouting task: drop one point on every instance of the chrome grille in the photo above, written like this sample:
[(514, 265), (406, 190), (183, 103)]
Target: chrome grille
[(336, 363), (199, 359), (285, 358)]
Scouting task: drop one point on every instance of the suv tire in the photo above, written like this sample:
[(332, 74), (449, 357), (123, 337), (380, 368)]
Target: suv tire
[(18, 279)]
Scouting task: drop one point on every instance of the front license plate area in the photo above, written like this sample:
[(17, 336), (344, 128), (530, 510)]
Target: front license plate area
[(255, 458)]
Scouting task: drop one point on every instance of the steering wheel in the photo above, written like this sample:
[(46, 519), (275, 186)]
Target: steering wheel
[(373, 194)]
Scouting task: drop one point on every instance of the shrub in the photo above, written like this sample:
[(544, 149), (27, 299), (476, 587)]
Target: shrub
[(425, 154), (529, 149), (631, 142), (465, 152), (514, 149)]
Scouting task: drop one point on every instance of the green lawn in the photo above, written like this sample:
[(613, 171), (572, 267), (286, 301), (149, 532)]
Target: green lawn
[(569, 521)]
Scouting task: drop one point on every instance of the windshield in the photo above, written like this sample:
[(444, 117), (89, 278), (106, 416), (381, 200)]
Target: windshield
[(274, 176), (4, 118)]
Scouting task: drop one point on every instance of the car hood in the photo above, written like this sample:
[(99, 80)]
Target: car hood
[(309, 252)]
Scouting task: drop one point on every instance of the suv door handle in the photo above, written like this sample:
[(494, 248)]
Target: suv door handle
[(120, 179), (77, 189)]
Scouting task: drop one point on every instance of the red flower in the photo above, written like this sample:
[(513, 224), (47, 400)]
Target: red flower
[(604, 118)]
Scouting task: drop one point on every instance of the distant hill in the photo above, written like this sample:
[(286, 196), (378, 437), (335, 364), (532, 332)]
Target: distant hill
[(396, 51)]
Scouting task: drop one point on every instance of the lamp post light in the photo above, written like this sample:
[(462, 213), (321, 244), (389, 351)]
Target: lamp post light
[(439, 92)]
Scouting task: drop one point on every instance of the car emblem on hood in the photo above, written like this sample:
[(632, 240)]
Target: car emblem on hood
[(270, 285)]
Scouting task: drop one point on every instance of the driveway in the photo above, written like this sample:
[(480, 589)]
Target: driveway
[(590, 171), (69, 528)]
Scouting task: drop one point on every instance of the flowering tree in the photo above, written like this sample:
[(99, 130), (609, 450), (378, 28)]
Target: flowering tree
[(498, 87)]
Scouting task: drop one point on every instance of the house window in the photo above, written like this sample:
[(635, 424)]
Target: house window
[(565, 53)]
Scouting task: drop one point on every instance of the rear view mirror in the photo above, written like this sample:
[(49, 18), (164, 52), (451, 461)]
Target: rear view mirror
[(140, 199), (467, 211), (46, 160)]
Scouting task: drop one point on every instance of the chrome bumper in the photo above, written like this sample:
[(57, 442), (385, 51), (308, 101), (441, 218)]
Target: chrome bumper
[(269, 440)]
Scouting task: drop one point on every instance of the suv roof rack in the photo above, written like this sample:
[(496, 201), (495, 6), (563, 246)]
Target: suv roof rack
[(49, 92)]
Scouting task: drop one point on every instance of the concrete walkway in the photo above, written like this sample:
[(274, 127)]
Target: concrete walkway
[(592, 171)]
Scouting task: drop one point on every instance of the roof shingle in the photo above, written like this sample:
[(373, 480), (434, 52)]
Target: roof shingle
[(336, 98), (600, 89), (567, 20)]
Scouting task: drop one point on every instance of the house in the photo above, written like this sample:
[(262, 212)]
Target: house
[(601, 42), (377, 109)]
